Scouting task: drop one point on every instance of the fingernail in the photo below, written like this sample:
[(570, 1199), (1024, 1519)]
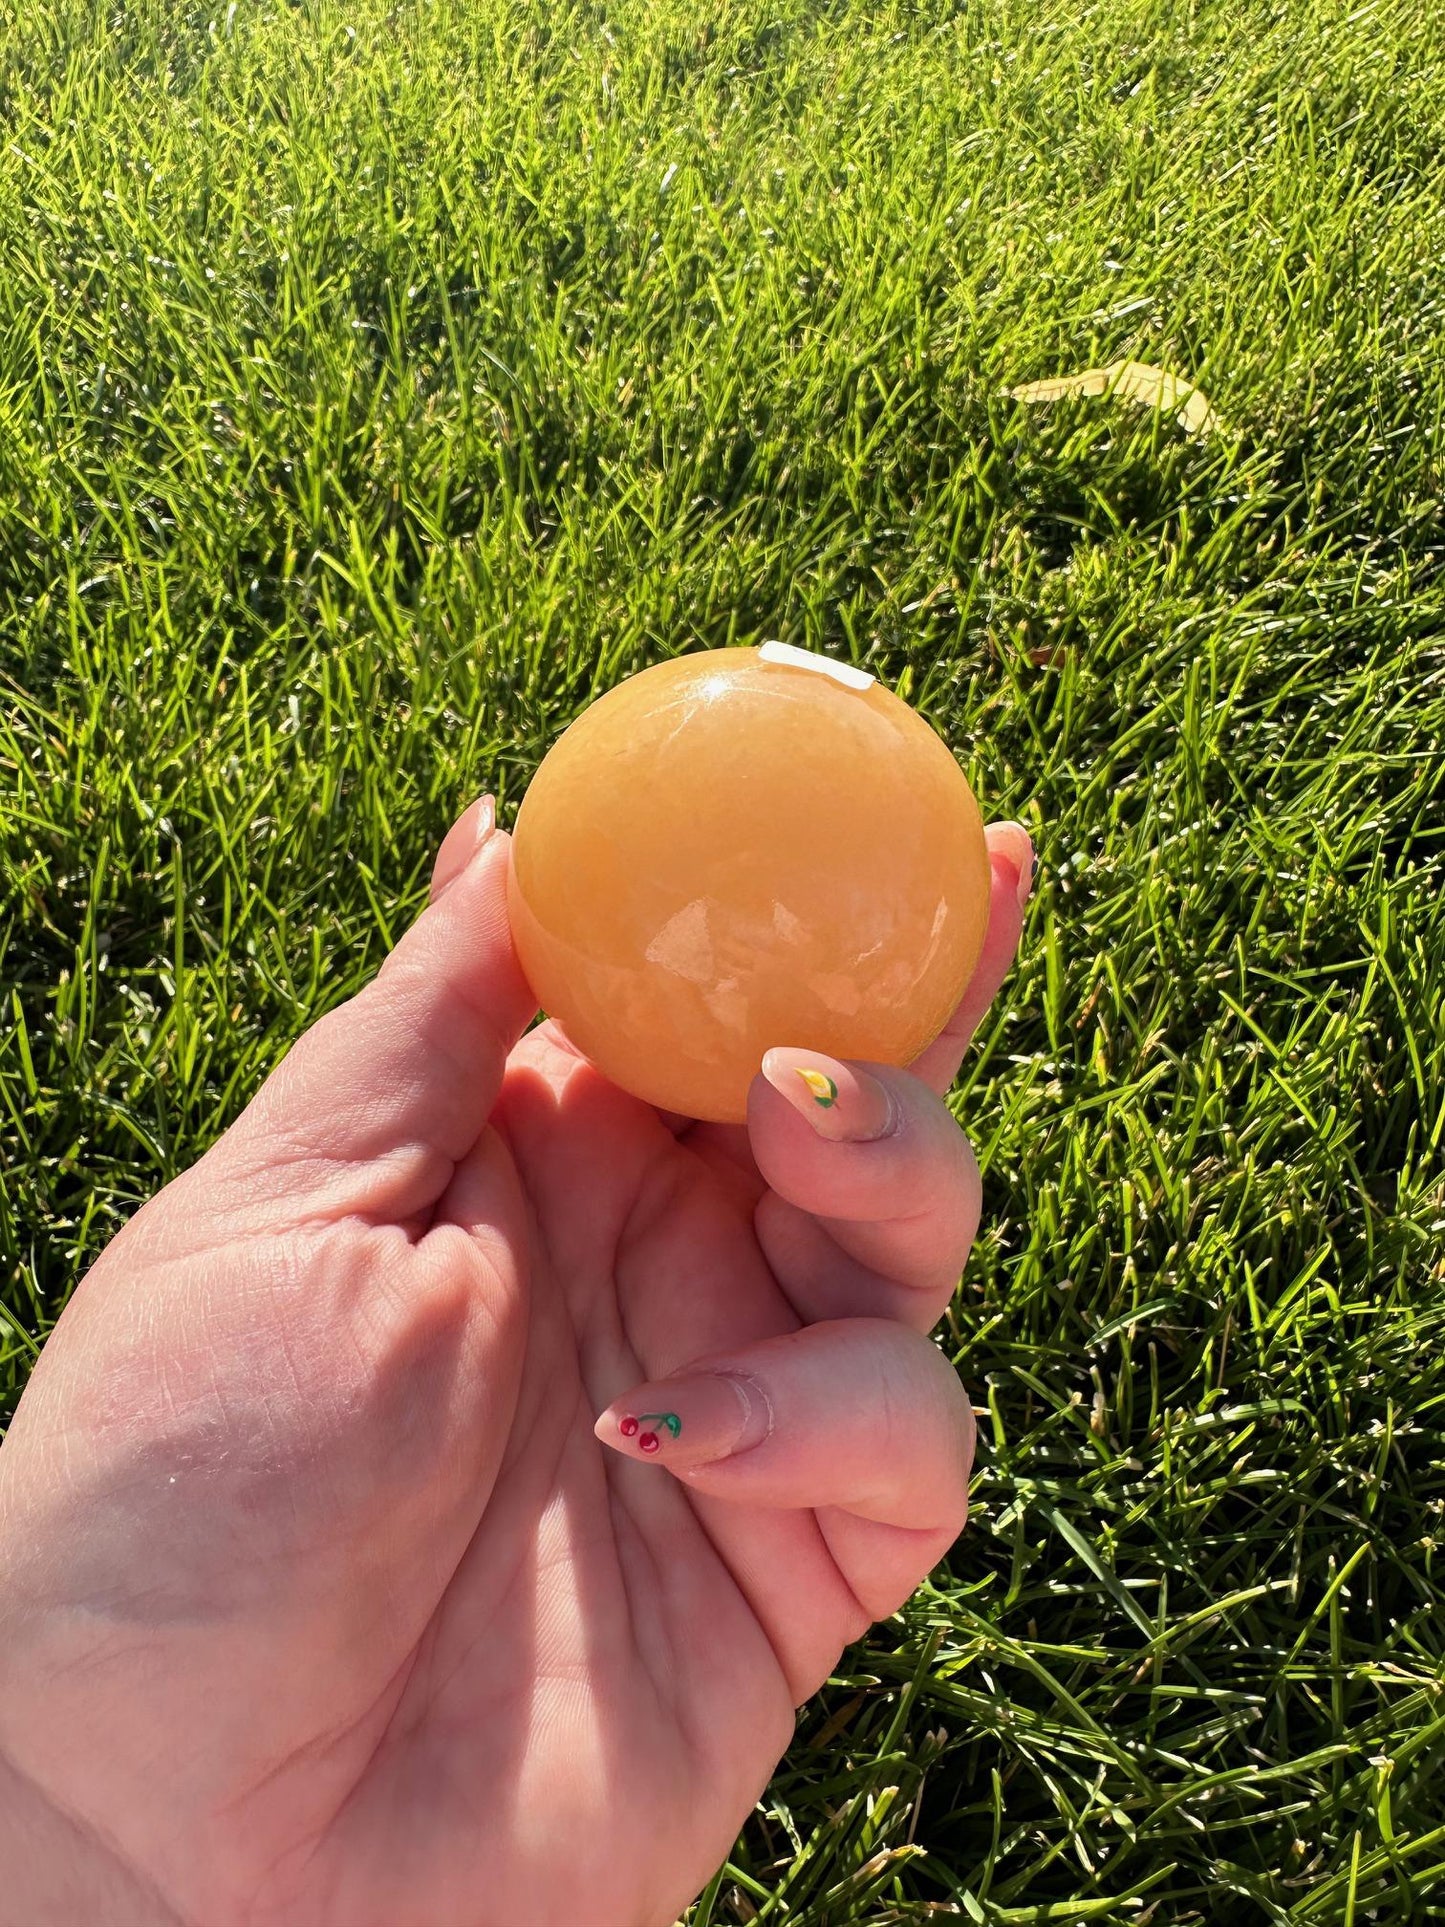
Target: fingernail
[(467, 837), (485, 824), (843, 1104), (692, 1419), (1011, 853)]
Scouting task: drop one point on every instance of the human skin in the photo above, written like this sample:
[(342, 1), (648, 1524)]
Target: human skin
[(337, 1592)]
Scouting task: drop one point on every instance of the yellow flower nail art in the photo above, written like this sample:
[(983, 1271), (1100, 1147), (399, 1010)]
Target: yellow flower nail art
[(824, 1090)]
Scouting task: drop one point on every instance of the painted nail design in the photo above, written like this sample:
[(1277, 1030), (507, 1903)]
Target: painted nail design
[(701, 1416), (630, 1426), (825, 1091), (844, 1103)]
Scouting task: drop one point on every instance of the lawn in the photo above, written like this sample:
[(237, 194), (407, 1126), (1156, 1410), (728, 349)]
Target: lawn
[(382, 379)]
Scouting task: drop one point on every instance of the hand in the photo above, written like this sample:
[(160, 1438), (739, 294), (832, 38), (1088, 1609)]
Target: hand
[(330, 1599)]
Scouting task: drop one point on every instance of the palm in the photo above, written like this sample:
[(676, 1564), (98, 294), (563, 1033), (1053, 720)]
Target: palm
[(593, 1661)]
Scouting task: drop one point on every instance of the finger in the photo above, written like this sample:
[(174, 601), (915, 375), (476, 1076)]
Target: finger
[(1011, 865), (1011, 859), (1011, 862), (375, 1105), (874, 1192), (860, 1420)]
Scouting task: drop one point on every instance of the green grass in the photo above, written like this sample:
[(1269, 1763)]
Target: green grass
[(380, 381)]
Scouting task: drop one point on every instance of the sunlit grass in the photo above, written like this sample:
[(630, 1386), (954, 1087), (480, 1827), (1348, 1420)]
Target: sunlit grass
[(378, 382)]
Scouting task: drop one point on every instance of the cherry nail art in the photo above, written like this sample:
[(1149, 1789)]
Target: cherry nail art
[(649, 1441)]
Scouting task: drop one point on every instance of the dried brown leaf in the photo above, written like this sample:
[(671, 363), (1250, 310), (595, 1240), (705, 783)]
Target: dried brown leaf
[(1137, 381)]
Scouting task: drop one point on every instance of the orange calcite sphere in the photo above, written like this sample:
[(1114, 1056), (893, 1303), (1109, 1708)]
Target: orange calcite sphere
[(741, 849)]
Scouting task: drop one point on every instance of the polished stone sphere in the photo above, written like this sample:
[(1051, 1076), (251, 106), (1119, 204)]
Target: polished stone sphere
[(740, 849)]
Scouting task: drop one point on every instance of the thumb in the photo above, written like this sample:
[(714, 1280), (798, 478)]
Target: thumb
[(381, 1099)]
